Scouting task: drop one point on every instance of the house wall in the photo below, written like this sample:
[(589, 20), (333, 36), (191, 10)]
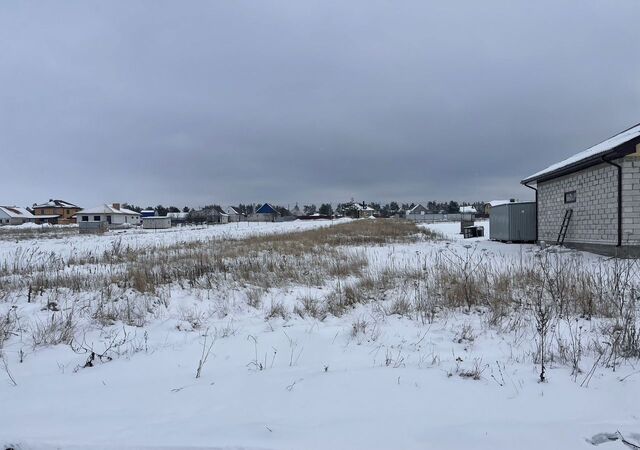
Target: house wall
[(119, 219), (261, 217), (6, 219), (595, 211), (419, 210), (594, 219), (64, 213), (631, 199), (116, 219)]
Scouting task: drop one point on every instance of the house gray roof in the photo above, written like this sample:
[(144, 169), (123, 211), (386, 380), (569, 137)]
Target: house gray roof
[(56, 204), (416, 207), (108, 209), (220, 211), (17, 212), (591, 156)]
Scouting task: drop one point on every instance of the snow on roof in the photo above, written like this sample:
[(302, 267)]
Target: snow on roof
[(468, 209), (493, 203), (232, 210), (56, 204), (17, 212), (419, 205), (178, 215), (359, 207), (597, 150), (108, 209), (220, 211)]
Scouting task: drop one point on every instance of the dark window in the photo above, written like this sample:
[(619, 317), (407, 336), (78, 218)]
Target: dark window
[(570, 197), (96, 218), (85, 218)]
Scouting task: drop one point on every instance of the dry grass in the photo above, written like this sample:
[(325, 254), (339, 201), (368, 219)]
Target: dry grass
[(131, 286), (11, 233), (305, 258)]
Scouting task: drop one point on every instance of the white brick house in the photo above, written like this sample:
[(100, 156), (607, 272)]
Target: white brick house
[(104, 217), (601, 186)]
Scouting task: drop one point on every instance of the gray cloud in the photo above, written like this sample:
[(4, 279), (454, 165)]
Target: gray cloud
[(200, 102)]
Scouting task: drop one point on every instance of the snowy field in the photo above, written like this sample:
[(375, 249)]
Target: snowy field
[(70, 243), (257, 363)]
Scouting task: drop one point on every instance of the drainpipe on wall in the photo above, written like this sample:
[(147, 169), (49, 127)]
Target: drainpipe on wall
[(619, 199), (535, 189)]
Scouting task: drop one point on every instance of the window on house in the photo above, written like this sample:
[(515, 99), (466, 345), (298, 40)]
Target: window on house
[(570, 197), (96, 218), (85, 218)]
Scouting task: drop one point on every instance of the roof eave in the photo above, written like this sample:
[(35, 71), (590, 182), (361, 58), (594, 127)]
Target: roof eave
[(622, 150)]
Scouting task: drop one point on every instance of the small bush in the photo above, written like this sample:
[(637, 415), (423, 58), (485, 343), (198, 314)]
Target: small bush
[(254, 297), (58, 329), (277, 309), (310, 306)]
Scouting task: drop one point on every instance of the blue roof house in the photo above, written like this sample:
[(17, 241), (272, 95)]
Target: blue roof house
[(266, 213)]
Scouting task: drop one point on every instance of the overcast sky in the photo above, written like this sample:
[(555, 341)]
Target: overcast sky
[(190, 102)]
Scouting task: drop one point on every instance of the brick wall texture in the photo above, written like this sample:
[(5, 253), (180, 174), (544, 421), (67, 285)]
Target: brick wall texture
[(595, 211)]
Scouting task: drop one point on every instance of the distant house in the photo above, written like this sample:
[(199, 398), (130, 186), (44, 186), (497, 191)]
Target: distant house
[(357, 210), (591, 200), (208, 214), (265, 213), (418, 209), (104, 217), (223, 217), (15, 215), (417, 213), (234, 214), (55, 211)]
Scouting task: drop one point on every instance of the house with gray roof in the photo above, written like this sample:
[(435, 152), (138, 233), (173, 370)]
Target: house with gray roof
[(235, 215), (591, 200), (104, 217), (15, 215)]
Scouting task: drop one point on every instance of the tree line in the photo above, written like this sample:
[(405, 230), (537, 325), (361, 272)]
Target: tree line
[(325, 209)]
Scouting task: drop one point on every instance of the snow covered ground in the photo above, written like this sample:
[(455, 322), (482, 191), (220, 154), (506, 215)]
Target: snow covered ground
[(81, 244), (365, 380)]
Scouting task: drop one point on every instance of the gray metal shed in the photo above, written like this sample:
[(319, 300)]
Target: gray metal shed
[(514, 222), (156, 222)]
